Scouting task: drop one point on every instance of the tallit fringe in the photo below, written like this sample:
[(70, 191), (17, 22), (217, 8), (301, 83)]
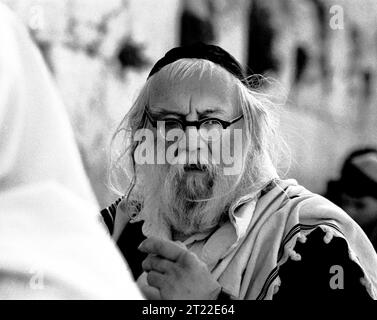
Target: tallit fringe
[(290, 253)]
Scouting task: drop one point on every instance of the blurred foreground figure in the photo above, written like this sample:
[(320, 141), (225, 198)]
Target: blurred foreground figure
[(206, 215), (52, 244), (356, 190)]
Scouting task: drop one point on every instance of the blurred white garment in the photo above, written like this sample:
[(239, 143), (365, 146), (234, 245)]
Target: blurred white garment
[(52, 243)]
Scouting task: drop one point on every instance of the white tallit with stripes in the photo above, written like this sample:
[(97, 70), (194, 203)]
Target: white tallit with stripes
[(244, 254)]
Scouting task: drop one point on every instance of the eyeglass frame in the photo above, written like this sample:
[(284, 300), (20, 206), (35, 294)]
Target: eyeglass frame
[(184, 123)]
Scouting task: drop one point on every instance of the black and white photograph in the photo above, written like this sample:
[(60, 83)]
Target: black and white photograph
[(207, 151)]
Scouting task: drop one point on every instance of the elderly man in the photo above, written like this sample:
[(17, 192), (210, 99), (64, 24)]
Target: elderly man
[(205, 215)]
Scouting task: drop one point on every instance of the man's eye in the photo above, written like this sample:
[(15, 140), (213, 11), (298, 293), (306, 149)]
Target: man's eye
[(172, 124), (211, 123)]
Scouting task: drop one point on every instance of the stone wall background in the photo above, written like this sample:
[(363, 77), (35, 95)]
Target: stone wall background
[(328, 74)]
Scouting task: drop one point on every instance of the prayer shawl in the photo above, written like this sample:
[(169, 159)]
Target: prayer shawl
[(248, 254), (52, 244)]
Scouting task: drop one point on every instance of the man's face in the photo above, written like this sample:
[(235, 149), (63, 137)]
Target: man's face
[(193, 99), (362, 209), (188, 189)]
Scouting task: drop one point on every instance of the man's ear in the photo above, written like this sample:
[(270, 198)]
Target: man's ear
[(121, 219)]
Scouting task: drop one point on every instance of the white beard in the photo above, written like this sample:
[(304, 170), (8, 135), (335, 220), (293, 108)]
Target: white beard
[(189, 202)]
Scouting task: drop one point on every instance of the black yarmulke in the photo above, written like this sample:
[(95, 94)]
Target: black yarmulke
[(355, 179), (202, 51)]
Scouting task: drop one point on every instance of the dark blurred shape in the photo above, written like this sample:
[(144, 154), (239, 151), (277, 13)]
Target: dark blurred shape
[(322, 17), (131, 54), (321, 10), (355, 176), (261, 36), (301, 63), (197, 26), (355, 42), (367, 84), (363, 75), (356, 190), (44, 46)]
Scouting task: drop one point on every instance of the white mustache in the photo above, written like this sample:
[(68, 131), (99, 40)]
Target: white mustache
[(192, 157), (212, 170), (196, 166)]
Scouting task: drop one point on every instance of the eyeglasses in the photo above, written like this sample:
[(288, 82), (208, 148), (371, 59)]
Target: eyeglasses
[(209, 128)]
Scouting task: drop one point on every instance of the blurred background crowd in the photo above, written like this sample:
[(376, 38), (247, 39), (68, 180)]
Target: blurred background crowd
[(323, 54)]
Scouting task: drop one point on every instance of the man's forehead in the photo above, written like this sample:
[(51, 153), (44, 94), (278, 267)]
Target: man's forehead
[(205, 91)]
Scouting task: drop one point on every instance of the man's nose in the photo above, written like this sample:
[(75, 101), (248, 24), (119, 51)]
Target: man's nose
[(192, 138)]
